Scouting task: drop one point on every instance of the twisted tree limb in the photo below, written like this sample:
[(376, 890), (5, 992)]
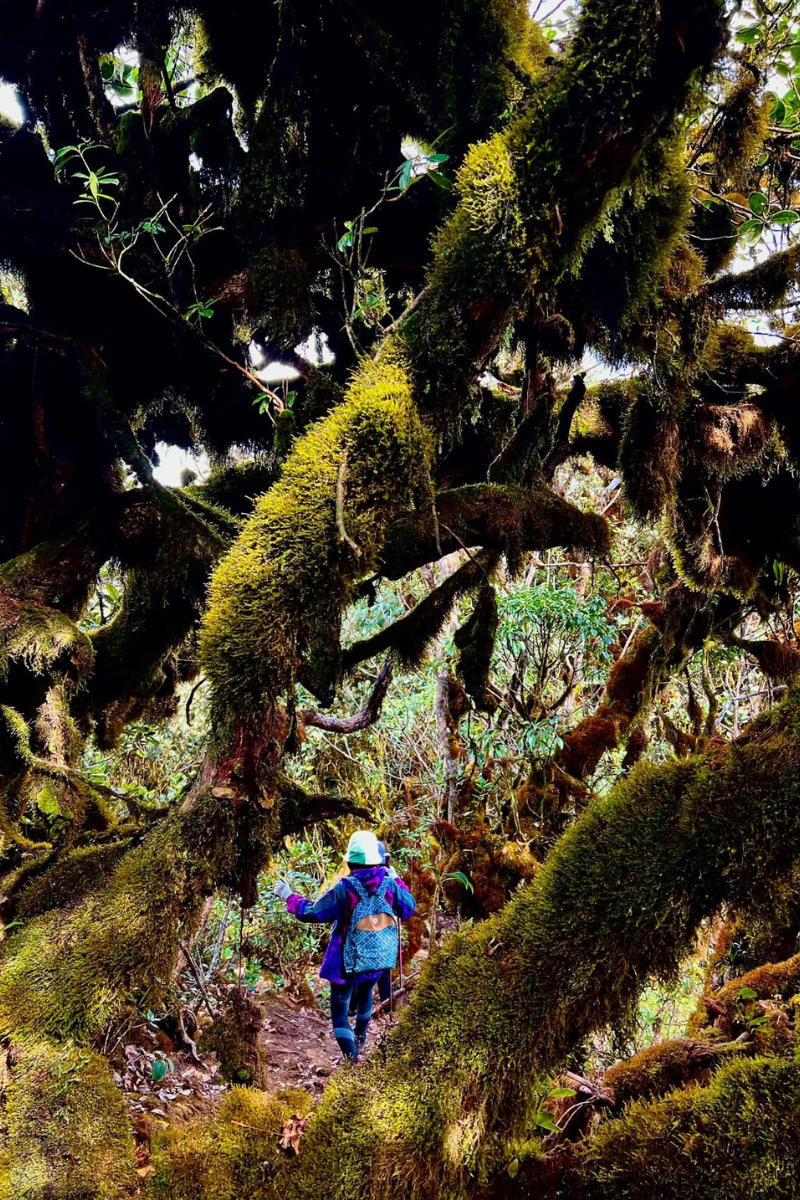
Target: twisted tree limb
[(366, 716)]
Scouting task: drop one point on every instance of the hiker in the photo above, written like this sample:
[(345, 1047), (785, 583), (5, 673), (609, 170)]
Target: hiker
[(365, 938), (385, 977)]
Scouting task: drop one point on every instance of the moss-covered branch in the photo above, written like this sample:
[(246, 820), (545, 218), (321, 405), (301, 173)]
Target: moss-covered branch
[(134, 654), (277, 598), (680, 625), (410, 636), (532, 198), (734, 1140), (509, 519)]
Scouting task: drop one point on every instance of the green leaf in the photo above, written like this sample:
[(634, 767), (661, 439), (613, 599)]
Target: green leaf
[(441, 135), (545, 1120), (751, 232), (370, 229), (441, 181), (561, 1093), (94, 184), (438, 158), (751, 35), (786, 216), (758, 202), (748, 994), (47, 802), (513, 1168), (159, 1070), (459, 877)]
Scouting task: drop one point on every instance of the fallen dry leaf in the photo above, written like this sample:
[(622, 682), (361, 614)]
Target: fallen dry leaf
[(292, 1131)]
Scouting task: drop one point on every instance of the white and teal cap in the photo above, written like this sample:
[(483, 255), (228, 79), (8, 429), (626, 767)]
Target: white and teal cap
[(363, 850)]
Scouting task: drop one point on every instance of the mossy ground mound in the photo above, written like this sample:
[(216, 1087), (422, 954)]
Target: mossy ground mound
[(65, 1127), (233, 1155)]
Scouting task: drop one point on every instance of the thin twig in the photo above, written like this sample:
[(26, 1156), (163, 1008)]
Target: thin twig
[(198, 975)]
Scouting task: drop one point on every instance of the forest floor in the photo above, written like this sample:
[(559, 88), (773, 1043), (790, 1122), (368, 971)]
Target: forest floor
[(299, 1051)]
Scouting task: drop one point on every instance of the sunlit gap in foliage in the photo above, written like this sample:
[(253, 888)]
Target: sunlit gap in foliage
[(10, 106)]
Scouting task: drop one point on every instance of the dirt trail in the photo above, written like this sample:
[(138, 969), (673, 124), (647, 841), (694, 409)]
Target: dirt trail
[(299, 1051), (300, 1048)]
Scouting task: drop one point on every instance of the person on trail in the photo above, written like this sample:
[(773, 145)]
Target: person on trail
[(385, 978), (365, 939)]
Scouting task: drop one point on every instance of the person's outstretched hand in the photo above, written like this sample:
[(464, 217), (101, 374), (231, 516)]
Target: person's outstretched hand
[(391, 872), (282, 890)]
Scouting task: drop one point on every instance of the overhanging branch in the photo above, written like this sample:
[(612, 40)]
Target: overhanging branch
[(496, 518), (366, 716)]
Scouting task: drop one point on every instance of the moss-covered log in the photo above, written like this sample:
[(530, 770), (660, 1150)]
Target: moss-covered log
[(734, 1140)]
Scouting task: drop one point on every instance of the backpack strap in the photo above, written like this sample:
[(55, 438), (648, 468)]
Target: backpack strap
[(360, 890)]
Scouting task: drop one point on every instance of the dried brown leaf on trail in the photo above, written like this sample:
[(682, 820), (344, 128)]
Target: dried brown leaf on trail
[(291, 1133)]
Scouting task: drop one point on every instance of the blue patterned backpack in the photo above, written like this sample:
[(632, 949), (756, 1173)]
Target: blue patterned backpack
[(371, 943)]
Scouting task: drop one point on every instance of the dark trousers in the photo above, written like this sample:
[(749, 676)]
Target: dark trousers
[(384, 990), (341, 993)]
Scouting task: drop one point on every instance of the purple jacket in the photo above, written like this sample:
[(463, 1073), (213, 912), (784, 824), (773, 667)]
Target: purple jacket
[(337, 905)]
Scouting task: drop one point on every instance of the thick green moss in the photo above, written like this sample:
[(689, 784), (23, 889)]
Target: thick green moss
[(234, 1039), (740, 130), (15, 741), (534, 198), (61, 879), (41, 638), (65, 1126), (70, 970), (475, 643), (236, 488), (662, 1068), (734, 1140), (135, 672), (281, 297), (233, 1155), (277, 596)]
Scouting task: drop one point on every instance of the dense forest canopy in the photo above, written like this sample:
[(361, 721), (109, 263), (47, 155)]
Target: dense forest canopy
[(477, 327)]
